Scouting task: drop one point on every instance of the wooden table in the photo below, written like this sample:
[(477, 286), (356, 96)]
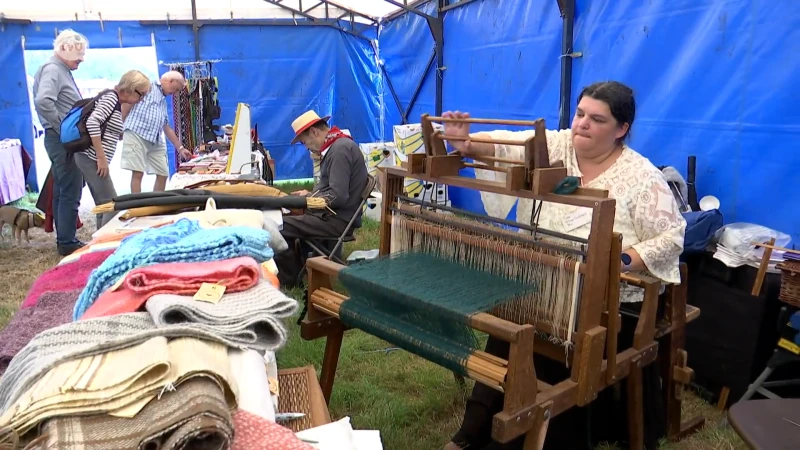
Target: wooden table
[(772, 424)]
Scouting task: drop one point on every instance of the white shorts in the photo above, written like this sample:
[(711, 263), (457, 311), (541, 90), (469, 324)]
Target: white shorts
[(139, 155)]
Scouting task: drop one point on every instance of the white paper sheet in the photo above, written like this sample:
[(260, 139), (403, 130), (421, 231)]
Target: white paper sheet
[(340, 435)]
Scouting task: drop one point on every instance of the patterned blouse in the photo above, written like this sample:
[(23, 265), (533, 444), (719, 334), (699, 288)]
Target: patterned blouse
[(647, 214)]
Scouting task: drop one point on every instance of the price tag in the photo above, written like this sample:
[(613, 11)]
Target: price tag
[(576, 219), (209, 292), (273, 386), (118, 283)]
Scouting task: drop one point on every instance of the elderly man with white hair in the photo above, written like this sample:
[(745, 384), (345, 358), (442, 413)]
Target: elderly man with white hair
[(143, 148), (54, 94)]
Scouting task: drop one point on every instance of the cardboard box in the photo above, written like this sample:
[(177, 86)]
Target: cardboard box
[(408, 140)]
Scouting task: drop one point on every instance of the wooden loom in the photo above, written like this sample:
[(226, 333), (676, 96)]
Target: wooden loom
[(591, 355)]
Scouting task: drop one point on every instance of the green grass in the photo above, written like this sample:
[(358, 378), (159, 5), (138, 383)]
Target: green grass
[(418, 405), (291, 186)]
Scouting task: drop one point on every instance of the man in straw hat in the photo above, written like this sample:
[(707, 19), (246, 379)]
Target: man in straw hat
[(343, 177), (54, 94)]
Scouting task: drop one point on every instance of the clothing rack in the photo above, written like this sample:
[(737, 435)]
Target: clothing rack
[(196, 107)]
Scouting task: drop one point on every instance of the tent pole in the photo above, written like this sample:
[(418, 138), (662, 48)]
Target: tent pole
[(437, 28), (195, 31), (567, 8)]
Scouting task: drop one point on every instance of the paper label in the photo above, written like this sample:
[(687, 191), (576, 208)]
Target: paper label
[(273, 386), (209, 292), (576, 219), (119, 282)]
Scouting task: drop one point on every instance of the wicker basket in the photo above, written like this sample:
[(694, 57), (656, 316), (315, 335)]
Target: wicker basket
[(300, 392), (790, 282)]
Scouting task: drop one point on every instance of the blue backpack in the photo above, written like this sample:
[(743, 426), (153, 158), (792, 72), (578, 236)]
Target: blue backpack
[(74, 134)]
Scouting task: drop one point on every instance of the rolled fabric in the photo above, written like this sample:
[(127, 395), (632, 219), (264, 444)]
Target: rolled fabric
[(236, 274), (223, 201), (194, 415)]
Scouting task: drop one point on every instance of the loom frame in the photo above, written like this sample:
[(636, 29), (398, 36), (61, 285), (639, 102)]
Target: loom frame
[(594, 360)]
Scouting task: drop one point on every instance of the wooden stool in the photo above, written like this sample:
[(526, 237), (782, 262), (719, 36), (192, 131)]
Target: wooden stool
[(772, 424)]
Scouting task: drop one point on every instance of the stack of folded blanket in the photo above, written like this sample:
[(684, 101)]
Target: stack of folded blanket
[(146, 339)]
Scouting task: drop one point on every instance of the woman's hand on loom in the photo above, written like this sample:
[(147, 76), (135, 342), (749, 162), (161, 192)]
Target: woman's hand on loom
[(301, 193), (459, 129)]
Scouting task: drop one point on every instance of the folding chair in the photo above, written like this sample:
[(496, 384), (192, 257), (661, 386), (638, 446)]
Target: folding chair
[(321, 246)]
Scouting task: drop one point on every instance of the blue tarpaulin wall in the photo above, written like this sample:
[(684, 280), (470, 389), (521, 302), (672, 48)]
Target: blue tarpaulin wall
[(281, 72), (713, 78)]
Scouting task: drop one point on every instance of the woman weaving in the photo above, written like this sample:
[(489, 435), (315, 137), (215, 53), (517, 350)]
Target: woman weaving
[(652, 227)]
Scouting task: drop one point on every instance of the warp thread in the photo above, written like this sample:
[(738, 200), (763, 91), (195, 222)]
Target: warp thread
[(422, 303)]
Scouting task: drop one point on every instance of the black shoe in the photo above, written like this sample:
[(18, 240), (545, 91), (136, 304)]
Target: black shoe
[(66, 250)]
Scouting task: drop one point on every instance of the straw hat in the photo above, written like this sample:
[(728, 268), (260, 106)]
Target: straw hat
[(304, 122)]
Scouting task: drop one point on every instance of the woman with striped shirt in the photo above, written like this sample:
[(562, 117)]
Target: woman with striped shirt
[(105, 128)]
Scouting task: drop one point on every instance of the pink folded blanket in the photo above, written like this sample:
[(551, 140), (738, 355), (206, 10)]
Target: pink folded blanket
[(65, 277), (254, 432), (51, 310), (236, 274)]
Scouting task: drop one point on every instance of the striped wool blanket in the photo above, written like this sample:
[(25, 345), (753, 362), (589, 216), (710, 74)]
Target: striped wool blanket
[(251, 319)]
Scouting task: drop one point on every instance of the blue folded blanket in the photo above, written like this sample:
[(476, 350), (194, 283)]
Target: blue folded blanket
[(183, 241)]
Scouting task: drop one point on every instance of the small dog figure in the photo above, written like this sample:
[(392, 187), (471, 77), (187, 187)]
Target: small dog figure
[(21, 221)]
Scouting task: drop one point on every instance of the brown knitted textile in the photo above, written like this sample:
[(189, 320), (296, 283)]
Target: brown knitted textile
[(51, 310), (193, 416)]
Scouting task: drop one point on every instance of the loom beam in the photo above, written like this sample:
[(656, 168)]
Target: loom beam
[(594, 358)]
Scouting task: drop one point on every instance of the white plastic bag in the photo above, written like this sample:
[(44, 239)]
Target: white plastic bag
[(739, 238)]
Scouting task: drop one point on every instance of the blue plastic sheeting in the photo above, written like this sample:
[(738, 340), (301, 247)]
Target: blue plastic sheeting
[(713, 78), (295, 69), (15, 108), (406, 45), (280, 71), (502, 62), (285, 71), (109, 34)]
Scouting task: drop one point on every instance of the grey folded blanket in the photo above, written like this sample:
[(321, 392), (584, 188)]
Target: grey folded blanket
[(249, 319)]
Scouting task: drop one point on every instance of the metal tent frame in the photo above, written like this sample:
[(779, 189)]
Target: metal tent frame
[(345, 20)]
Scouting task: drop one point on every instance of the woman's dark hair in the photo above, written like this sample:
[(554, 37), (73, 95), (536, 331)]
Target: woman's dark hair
[(619, 99)]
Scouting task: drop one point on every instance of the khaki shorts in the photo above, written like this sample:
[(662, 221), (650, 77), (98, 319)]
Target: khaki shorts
[(138, 155)]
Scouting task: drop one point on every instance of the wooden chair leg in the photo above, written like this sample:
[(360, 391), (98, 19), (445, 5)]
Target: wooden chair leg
[(330, 360), (635, 407), (676, 376), (534, 439), (675, 373)]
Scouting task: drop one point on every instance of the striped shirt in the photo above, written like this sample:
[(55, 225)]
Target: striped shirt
[(106, 111), (148, 117)]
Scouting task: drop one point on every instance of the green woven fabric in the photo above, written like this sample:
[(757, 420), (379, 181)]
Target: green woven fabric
[(422, 303)]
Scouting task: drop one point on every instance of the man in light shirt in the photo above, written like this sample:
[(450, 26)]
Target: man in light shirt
[(143, 147)]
